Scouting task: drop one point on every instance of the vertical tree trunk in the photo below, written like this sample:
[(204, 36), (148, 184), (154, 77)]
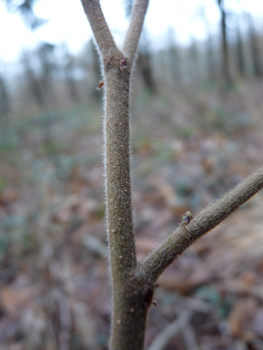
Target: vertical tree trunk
[(69, 76), (193, 63), (33, 81), (209, 50), (225, 61), (239, 51), (4, 98), (255, 49), (47, 62), (145, 68)]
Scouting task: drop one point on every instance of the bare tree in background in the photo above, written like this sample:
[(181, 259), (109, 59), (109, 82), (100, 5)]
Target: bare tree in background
[(174, 60), (39, 67), (145, 65), (68, 72), (5, 109), (47, 61), (209, 49), (26, 11), (239, 50), (193, 61), (255, 49), (32, 79), (5, 105), (225, 60)]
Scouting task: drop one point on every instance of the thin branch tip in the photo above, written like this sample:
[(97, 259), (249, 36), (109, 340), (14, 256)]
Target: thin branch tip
[(203, 222), (133, 34)]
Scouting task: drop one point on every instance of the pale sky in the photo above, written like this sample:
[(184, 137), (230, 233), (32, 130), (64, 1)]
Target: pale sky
[(68, 23)]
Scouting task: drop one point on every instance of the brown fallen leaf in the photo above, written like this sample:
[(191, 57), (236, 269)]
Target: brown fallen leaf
[(241, 317), (14, 299)]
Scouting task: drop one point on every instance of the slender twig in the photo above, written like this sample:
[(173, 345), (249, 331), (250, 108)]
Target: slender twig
[(134, 31), (205, 221), (99, 27)]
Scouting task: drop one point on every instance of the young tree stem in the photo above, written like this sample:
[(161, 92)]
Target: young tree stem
[(132, 283), (128, 286)]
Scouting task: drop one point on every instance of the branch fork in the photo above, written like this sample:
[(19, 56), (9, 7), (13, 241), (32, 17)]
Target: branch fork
[(133, 284)]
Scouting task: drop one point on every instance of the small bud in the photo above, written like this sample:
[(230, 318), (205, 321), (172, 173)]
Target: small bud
[(187, 217), (123, 64)]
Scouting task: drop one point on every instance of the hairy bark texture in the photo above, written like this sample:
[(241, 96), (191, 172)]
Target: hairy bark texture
[(132, 283), (130, 292)]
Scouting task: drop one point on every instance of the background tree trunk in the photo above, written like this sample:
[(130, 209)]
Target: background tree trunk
[(225, 61), (255, 49)]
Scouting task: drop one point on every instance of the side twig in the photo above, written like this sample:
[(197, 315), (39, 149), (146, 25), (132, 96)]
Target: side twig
[(99, 27), (134, 31), (205, 221)]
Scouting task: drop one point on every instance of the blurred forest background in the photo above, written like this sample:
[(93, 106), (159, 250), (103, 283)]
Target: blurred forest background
[(197, 130)]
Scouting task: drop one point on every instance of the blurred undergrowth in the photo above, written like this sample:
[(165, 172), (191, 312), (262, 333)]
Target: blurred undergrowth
[(51, 148), (189, 146)]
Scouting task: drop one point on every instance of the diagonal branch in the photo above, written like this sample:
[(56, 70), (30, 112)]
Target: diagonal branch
[(100, 28), (134, 31), (205, 221)]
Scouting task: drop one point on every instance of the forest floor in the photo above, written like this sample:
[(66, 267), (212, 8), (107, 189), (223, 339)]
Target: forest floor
[(189, 147)]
